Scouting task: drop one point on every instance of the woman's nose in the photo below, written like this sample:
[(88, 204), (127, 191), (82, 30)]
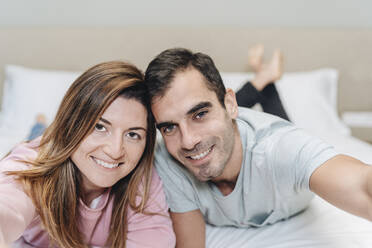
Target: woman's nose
[(115, 148)]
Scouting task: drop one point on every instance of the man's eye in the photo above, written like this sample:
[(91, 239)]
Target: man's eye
[(133, 135), (168, 129), (200, 114), (100, 128)]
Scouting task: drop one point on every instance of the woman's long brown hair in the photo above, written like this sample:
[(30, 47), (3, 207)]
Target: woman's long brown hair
[(53, 183)]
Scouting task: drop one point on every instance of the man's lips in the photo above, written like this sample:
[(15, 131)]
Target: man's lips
[(200, 155)]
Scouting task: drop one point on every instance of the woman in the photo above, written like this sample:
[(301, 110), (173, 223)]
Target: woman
[(89, 180)]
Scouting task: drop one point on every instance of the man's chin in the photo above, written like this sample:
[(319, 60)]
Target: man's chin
[(203, 178), (206, 177), (198, 171)]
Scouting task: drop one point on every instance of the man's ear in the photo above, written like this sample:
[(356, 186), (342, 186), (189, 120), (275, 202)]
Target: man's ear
[(231, 104)]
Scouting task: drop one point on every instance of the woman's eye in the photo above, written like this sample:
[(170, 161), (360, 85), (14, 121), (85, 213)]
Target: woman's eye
[(100, 127), (134, 135)]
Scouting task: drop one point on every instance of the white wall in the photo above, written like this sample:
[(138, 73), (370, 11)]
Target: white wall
[(258, 13)]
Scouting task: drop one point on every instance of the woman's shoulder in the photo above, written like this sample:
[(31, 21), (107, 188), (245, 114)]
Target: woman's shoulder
[(155, 179), (156, 184), (24, 151), (156, 192), (154, 189)]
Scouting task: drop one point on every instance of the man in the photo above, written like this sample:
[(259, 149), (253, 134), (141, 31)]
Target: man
[(237, 167)]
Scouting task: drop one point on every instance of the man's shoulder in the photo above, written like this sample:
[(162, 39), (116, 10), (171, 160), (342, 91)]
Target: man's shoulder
[(162, 157), (160, 149), (257, 118), (262, 124)]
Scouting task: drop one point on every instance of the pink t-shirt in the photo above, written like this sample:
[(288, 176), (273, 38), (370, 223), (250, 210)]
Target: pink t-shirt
[(19, 221)]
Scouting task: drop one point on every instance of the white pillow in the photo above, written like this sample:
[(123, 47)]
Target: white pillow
[(28, 92), (309, 98)]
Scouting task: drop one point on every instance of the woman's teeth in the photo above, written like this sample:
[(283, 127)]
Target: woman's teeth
[(201, 155), (106, 165)]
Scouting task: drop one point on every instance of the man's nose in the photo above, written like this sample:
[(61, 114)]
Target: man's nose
[(189, 137)]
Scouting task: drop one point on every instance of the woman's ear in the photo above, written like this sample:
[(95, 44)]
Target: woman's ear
[(231, 104)]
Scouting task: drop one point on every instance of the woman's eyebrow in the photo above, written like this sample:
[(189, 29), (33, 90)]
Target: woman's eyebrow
[(105, 121), (138, 128), (132, 128)]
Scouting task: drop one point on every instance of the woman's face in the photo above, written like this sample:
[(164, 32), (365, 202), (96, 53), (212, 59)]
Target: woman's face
[(114, 147)]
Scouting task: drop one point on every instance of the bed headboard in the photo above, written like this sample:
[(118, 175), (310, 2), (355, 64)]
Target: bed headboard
[(348, 50)]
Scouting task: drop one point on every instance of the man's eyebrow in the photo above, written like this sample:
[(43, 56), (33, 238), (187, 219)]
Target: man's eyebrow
[(199, 106), (191, 111), (164, 124)]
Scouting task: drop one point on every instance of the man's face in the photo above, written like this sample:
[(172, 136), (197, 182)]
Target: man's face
[(197, 130)]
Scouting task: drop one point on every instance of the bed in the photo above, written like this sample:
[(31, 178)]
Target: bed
[(307, 96), (314, 93)]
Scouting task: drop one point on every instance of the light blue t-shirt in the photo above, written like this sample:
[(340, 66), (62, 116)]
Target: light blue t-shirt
[(273, 183)]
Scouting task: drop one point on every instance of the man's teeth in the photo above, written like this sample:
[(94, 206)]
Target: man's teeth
[(106, 165), (201, 155)]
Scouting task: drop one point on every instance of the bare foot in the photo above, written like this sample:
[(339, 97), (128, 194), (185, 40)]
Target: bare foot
[(40, 118), (255, 55), (269, 73)]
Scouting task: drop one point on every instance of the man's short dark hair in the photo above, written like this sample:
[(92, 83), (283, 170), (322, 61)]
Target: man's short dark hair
[(162, 69)]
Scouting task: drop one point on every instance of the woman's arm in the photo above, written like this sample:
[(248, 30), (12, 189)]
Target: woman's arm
[(16, 209)]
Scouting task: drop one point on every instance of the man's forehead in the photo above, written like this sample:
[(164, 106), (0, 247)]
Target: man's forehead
[(167, 108), (187, 89)]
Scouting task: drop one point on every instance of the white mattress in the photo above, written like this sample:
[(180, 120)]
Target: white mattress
[(321, 225)]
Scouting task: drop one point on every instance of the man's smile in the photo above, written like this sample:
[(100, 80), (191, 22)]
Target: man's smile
[(201, 155)]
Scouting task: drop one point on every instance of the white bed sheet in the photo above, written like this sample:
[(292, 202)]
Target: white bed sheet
[(321, 225)]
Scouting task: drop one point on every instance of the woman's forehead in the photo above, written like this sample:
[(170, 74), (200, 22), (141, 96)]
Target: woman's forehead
[(124, 110)]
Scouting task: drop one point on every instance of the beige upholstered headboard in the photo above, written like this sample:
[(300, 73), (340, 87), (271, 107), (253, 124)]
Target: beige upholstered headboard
[(348, 50)]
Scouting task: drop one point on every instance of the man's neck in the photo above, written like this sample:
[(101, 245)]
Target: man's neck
[(227, 180), (225, 187)]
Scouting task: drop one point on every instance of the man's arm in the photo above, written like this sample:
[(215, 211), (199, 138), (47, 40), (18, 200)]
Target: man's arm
[(346, 183), (189, 228)]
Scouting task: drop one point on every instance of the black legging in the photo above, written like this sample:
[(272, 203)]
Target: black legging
[(269, 99)]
